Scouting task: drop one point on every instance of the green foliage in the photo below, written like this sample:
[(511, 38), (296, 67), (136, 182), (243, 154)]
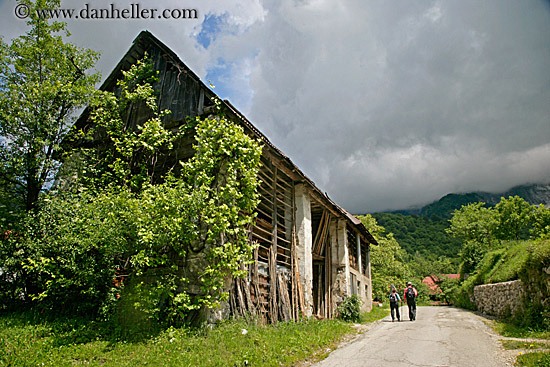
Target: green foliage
[(473, 222), (113, 216), (540, 219), (535, 276), (424, 266), (513, 215), (501, 265), (350, 309), (535, 359), (12, 276), (422, 235), (472, 254), (124, 155), (520, 344), (43, 82), (73, 248), (482, 229), (511, 330), (377, 313), (449, 288), (444, 207), (525, 260)]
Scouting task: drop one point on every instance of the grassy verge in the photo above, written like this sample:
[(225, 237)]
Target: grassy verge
[(514, 331), (531, 353), (27, 341), (377, 313), (535, 359), (518, 344)]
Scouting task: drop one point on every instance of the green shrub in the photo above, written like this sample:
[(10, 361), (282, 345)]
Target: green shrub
[(449, 288), (536, 282), (350, 309)]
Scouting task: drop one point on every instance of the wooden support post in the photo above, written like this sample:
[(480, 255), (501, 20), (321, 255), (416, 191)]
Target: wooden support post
[(273, 256)]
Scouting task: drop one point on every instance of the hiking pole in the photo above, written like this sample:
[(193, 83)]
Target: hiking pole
[(391, 312)]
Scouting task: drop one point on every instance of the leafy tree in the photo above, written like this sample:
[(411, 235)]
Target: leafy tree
[(43, 81), (76, 244), (540, 218), (473, 222), (475, 225), (449, 288), (421, 234), (148, 230), (513, 218)]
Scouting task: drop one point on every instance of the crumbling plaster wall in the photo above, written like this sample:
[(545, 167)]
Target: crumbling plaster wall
[(341, 286), (304, 244)]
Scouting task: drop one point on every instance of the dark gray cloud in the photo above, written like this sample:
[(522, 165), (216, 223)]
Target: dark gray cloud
[(392, 105), (384, 104)]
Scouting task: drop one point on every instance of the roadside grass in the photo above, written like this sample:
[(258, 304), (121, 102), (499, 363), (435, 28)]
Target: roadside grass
[(26, 340), (518, 344), (531, 353), (510, 330), (376, 314), (536, 359)]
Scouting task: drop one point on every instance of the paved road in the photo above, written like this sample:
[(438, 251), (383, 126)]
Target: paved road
[(440, 337)]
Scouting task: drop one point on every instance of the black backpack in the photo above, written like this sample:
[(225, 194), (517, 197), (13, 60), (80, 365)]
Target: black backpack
[(393, 297), (410, 294)]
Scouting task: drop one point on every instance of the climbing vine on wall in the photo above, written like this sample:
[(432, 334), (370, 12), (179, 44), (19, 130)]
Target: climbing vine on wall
[(122, 220)]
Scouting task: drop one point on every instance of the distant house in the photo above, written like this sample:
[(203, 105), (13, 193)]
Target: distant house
[(312, 253), (432, 282)]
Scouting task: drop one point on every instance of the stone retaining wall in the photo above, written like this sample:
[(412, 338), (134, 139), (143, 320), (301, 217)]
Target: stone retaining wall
[(499, 299)]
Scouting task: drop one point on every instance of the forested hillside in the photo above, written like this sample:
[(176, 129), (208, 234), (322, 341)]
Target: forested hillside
[(534, 194), (420, 234), (422, 230)]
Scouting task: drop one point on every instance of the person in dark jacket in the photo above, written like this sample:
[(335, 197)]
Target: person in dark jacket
[(410, 297), (394, 305)]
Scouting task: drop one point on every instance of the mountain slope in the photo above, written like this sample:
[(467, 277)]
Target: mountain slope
[(444, 207), (423, 230)]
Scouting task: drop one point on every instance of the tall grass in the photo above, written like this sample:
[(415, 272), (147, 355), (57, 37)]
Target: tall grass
[(26, 341), (539, 359)]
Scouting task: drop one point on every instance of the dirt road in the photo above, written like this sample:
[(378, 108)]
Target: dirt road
[(440, 337)]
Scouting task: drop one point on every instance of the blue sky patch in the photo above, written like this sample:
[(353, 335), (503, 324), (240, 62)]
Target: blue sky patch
[(211, 27)]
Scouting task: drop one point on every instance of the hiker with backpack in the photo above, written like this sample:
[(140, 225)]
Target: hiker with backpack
[(394, 305), (410, 297)]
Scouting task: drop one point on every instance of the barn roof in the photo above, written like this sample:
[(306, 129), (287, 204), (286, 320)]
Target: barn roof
[(144, 41)]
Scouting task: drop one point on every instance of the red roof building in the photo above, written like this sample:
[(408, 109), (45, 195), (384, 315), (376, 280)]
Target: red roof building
[(432, 281)]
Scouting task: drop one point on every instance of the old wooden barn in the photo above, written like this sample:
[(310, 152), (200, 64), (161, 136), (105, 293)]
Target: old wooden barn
[(311, 254)]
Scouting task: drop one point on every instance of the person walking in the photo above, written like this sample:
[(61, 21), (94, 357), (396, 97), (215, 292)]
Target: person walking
[(410, 297), (394, 305)]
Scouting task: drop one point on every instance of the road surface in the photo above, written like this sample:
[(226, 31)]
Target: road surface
[(440, 337)]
